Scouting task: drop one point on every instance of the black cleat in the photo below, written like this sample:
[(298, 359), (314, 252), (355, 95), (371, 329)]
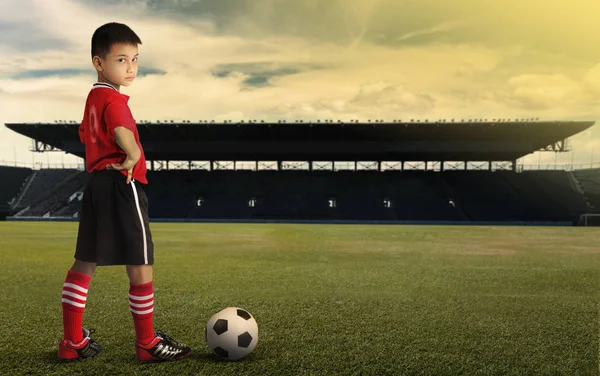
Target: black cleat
[(88, 348), (161, 348)]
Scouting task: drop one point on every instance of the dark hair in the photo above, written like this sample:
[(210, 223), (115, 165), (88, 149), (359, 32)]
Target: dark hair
[(111, 33)]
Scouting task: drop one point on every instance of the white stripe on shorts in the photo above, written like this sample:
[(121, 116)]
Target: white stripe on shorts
[(137, 205)]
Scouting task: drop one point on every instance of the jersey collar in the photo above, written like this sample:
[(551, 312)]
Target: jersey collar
[(103, 84)]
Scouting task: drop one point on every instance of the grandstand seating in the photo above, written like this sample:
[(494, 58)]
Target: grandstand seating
[(360, 195), (551, 193), (589, 179), (340, 195), (41, 185), (12, 180), (49, 190)]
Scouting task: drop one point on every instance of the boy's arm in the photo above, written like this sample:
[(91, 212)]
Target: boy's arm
[(125, 139)]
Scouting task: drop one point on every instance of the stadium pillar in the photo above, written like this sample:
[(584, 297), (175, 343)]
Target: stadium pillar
[(489, 165), (310, 166), (152, 165), (355, 166), (441, 166), (402, 166), (255, 165), (514, 165), (379, 166), (465, 165), (279, 165), (212, 165)]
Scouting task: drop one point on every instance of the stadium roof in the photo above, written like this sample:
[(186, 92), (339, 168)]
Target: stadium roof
[(305, 141)]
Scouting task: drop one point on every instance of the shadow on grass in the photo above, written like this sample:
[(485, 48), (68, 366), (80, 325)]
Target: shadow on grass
[(50, 358), (209, 357)]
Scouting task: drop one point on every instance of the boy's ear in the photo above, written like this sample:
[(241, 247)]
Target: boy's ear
[(97, 63)]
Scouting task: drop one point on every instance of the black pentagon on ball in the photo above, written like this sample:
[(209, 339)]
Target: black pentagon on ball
[(221, 352), (244, 340), (243, 314), (220, 326)]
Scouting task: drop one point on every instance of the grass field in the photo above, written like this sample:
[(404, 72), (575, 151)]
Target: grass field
[(328, 299)]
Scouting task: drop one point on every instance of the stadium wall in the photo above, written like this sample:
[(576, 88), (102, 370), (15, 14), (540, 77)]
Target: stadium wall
[(316, 221)]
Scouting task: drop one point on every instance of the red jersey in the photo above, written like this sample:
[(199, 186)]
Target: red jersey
[(105, 109)]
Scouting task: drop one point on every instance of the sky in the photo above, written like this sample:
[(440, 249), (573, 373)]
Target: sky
[(310, 59)]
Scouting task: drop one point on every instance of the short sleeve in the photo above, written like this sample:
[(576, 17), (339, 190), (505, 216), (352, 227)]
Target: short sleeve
[(118, 114)]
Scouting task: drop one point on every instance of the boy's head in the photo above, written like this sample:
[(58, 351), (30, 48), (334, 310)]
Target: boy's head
[(115, 53)]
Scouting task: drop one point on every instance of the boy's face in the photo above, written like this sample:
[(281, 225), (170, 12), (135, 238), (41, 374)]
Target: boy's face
[(120, 65)]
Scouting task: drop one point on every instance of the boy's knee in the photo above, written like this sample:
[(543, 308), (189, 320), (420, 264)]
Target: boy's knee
[(87, 268), (139, 273)]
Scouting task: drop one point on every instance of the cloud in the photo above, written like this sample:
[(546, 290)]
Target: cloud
[(260, 74), (377, 100), (27, 37), (539, 92), (390, 99), (555, 93), (72, 72), (41, 73), (591, 80), (568, 29), (311, 59), (427, 35)]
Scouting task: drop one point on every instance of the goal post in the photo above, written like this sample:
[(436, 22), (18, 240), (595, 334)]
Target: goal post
[(589, 219)]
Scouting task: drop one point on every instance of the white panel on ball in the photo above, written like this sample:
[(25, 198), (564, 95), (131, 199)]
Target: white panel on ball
[(232, 333)]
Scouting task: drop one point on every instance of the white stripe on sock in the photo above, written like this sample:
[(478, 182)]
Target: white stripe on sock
[(133, 297), (78, 288), (141, 305), (80, 305), (80, 297), (141, 312)]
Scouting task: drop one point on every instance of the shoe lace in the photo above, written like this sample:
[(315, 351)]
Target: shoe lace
[(167, 338)]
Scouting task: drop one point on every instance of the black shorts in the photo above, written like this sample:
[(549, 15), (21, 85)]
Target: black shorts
[(114, 228)]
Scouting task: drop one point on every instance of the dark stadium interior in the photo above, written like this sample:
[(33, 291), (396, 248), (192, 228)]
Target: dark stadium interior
[(451, 195), (537, 196)]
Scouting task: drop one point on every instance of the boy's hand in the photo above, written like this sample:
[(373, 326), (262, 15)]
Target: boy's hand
[(125, 139), (126, 165)]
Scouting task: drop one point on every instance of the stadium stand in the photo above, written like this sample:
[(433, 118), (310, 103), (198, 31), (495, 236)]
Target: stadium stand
[(448, 193), (41, 183), (51, 190), (589, 180), (478, 196), (12, 181)]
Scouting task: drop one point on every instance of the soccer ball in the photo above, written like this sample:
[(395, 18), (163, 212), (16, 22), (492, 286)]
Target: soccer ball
[(231, 333)]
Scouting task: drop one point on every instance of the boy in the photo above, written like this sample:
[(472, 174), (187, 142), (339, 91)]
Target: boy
[(114, 227)]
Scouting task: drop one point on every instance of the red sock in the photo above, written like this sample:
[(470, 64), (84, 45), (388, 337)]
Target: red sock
[(141, 305), (74, 296)]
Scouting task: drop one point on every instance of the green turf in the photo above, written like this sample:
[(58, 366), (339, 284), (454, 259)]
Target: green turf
[(328, 299)]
